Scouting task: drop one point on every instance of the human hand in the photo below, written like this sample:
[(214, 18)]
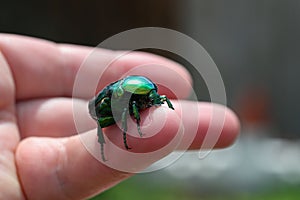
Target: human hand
[(41, 154)]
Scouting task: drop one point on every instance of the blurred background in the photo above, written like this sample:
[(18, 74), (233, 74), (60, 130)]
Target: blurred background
[(256, 46)]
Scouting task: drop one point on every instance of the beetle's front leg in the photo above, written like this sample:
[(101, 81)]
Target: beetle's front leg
[(124, 127), (164, 98), (136, 115)]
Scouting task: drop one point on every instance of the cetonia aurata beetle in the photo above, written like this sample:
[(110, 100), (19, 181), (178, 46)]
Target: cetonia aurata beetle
[(129, 95)]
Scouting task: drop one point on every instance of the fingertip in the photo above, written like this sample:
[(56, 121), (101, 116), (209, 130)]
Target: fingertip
[(207, 125), (230, 131)]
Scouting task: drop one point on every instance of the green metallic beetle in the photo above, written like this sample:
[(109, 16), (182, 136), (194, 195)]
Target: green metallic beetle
[(131, 94)]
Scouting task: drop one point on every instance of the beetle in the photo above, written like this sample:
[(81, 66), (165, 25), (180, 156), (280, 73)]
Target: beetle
[(127, 96)]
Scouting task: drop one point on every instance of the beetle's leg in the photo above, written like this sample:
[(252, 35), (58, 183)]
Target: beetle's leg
[(164, 98), (101, 140), (169, 103), (136, 115), (124, 127)]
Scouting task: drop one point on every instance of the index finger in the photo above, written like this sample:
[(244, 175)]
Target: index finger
[(45, 69)]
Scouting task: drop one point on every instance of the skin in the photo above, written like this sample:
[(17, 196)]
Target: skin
[(41, 155)]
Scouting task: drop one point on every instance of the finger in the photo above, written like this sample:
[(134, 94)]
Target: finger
[(52, 117), (41, 118), (61, 117), (63, 166), (45, 69)]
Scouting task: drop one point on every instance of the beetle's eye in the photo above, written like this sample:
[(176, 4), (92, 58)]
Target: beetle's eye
[(118, 92)]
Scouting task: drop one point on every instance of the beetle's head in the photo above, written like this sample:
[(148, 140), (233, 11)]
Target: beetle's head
[(154, 97)]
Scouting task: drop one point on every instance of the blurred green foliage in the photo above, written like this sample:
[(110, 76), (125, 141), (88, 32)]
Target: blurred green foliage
[(135, 188), (132, 189)]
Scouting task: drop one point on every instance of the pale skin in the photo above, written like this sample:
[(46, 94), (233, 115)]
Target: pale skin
[(41, 155)]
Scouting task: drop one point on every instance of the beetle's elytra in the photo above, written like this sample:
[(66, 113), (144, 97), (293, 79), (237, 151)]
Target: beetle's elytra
[(129, 95)]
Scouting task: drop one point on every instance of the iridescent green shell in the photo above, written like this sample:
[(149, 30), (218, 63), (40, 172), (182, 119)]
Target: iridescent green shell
[(138, 85)]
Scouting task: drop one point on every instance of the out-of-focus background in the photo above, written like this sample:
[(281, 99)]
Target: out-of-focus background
[(256, 46)]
